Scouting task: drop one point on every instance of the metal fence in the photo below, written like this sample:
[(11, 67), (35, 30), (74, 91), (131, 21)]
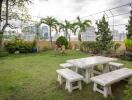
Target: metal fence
[(116, 37), (117, 18)]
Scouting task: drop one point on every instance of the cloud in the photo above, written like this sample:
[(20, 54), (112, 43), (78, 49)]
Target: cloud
[(70, 9), (80, 1), (115, 3)]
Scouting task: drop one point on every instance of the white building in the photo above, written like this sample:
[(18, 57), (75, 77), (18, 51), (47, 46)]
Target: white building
[(89, 34)]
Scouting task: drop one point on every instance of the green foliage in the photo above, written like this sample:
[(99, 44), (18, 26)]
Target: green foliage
[(33, 77), (1, 35), (82, 26), (62, 41), (46, 48), (128, 44), (129, 27), (116, 46), (65, 26), (19, 45), (90, 46), (128, 93), (104, 37), (3, 52), (52, 23)]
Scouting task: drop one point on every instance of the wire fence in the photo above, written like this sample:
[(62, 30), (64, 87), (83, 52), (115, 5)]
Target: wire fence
[(117, 18)]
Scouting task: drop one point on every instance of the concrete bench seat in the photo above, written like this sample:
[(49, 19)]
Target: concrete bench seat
[(71, 78), (66, 65), (115, 65), (107, 79)]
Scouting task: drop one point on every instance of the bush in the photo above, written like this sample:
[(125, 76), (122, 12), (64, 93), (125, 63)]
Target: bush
[(46, 48), (128, 44), (116, 46), (19, 45), (90, 46), (62, 41), (3, 52), (128, 93)]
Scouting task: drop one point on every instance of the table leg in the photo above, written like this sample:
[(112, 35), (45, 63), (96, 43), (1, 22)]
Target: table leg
[(60, 79), (76, 69), (106, 68), (92, 71), (87, 76)]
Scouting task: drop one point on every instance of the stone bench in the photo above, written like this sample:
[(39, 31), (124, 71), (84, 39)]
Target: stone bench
[(73, 79), (66, 65), (106, 80), (114, 66)]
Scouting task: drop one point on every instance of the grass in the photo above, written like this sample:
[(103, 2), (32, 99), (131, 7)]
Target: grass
[(33, 77)]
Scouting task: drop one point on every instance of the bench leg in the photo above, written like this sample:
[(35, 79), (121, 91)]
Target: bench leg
[(92, 71), (109, 91), (80, 85), (69, 86), (66, 86), (95, 87), (106, 90), (76, 69), (130, 80), (60, 79), (106, 68)]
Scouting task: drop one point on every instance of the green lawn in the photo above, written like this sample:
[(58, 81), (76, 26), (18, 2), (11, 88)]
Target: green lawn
[(33, 77)]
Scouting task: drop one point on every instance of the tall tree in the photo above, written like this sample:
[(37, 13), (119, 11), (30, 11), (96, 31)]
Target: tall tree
[(82, 26), (104, 37), (5, 5), (129, 27), (52, 23), (15, 4), (66, 27)]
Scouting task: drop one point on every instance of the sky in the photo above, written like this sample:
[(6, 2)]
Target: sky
[(70, 9)]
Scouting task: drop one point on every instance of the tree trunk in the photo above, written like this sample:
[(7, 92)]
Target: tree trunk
[(0, 12), (79, 37), (4, 27), (66, 33), (69, 38), (50, 37), (0, 23)]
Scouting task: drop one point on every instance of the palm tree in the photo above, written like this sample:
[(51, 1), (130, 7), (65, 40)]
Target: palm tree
[(65, 27), (51, 22), (81, 25)]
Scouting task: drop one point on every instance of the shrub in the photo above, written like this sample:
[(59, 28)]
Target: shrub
[(19, 45), (104, 37), (90, 46), (128, 44), (116, 46), (128, 93), (46, 48), (3, 52), (62, 41)]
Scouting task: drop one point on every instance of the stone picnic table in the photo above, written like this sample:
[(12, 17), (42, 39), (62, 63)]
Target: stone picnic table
[(89, 63)]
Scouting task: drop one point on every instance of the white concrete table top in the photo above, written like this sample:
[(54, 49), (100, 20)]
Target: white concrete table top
[(90, 61)]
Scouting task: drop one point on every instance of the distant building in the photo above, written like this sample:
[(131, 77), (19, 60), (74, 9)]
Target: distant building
[(89, 34), (44, 32), (118, 36)]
